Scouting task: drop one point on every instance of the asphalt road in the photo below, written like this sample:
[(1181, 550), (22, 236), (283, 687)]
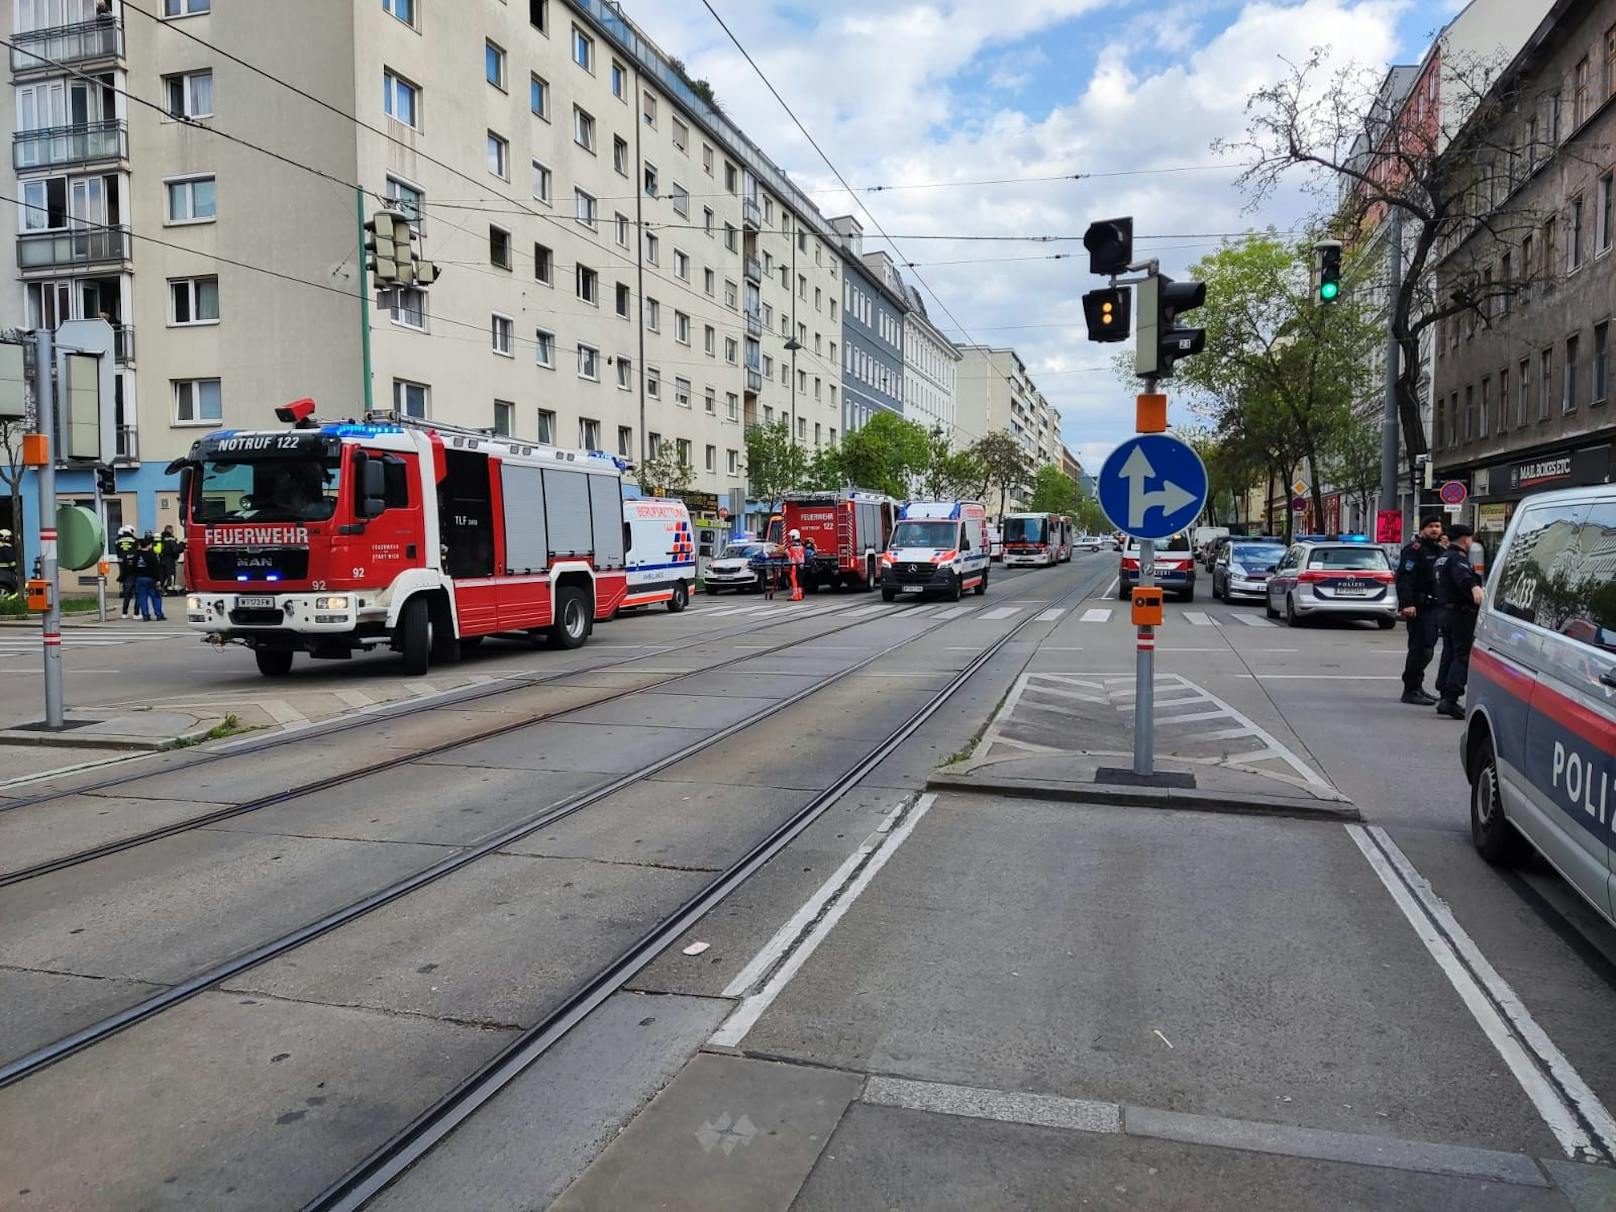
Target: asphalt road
[(925, 1001)]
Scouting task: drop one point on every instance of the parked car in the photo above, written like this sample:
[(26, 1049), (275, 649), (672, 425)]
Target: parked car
[(1539, 745), (733, 568), (1338, 580), (1088, 542), (1243, 566), (1174, 567)]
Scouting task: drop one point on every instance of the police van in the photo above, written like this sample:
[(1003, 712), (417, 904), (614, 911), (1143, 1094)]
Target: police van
[(937, 547), (1540, 736), (661, 553)]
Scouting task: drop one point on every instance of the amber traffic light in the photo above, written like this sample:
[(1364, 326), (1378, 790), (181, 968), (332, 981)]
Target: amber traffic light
[(1106, 312)]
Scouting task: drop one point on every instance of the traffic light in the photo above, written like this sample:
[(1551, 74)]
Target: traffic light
[(106, 481), (1110, 245), (1161, 342), (390, 253), (1328, 270), (1106, 312)]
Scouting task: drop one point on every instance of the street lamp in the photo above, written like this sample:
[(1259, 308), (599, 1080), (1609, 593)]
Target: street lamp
[(792, 346)]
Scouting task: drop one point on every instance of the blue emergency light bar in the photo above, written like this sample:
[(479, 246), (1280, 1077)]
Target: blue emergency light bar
[(352, 430)]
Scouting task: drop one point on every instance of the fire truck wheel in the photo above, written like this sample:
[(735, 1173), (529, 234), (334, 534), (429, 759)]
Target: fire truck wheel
[(571, 626), (680, 598), (415, 637), (274, 662)]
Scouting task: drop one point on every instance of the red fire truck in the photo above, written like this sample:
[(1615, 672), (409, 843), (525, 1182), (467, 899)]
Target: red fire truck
[(849, 530), (335, 538)]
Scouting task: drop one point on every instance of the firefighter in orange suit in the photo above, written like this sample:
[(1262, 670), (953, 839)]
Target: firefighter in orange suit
[(795, 554)]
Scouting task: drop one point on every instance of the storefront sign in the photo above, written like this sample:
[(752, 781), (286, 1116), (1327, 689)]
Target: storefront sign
[(1389, 526), (1494, 517), (702, 502), (1573, 467)]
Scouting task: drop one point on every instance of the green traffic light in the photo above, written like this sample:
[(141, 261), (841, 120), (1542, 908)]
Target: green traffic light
[(1329, 290)]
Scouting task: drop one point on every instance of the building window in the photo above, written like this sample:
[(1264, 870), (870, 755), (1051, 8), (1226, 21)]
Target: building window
[(681, 451), (499, 247), (710, 402), (544, 348), (494, 65), (623, 300), (681, 199), (191, 200), (193, 301), (583, 129), (1503, 400), (653, 443), (185, 8), (707, 221), (1601, 391), (710, 341), (732, 179), (1579, 93), (408, 201), (541, 182), (408, 308), (538, 13), (653, 315), (652, 244), (734, 457), (681, 135), (499, 330), (681, 328), (543, 265), (499, 156), (1545, 383), (1569, 374), (707, 159), (622, 230), (588, 284), (653, 389), (681, 392), (731, 237), (401, 100), (625, 441), (589, 363), (1523, 392), (411, 399), (1483, 422), (1610, 62), (504, 417), (712, 459), (197, 401), (732, 350), (584, 207), (588, 434), (538, 97), (707, 282), (650, 181), (619, 81), (625, 377), (404, 10), (547, 427), (649, 108), (1607, 230), (730, 294), (732, 406), (620, 155), (1574, 237), (681, 265), (190, 95), (583, 49)]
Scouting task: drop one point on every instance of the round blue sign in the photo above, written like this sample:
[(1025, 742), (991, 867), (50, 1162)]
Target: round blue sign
[(1153, 486)]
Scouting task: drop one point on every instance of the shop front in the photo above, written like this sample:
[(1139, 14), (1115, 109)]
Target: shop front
[(1498, 488)]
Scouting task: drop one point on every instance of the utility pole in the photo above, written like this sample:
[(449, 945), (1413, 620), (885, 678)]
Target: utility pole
[(51, 621), (1389, 418), (364, 300), (792, 345)]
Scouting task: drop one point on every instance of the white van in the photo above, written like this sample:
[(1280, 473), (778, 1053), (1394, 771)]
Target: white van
[(661, 553), (937, 547)]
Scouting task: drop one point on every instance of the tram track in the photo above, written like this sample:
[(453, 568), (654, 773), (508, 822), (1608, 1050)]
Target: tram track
[(176, 993)]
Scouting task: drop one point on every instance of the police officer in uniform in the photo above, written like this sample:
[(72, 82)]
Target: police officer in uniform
[(1416, 603), (1458, 595), (124, 550)]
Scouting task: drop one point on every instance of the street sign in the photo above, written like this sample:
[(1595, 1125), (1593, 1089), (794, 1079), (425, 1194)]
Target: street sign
[(1298, 504), (1453, 493), (1153, 486), (1299, 488)]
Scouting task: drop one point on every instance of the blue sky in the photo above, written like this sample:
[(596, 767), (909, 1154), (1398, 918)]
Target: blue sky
[(915, 92)]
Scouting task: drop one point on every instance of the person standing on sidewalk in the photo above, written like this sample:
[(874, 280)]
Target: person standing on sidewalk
[(1458, 593), (169, 550), (124, 550), (148, 571), (795, 554), (1416, 604)]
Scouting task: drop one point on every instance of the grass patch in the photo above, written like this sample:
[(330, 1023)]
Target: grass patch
[(15, 606), (231, 725), (964, 752)]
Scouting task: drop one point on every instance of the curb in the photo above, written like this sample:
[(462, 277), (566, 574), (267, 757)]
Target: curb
[(76, 740), (1163, 797)]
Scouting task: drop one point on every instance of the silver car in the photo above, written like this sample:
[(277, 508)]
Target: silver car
[(1243, 567), (1333, 580), (732, 568), (1539, 744)]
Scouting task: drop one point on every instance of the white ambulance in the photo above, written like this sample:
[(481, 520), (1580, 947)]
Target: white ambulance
[(661, 553), (937, 547)]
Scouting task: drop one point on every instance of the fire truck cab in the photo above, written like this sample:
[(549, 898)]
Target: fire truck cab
[(848, 528), (329, 539)]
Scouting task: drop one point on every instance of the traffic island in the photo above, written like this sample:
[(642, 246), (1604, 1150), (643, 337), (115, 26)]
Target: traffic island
[(131, 730), (1069, 737)]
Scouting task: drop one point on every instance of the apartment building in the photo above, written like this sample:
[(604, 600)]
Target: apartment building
[(930, 370), (1523, 394), (622, 268), (872, 330), (997, 394)]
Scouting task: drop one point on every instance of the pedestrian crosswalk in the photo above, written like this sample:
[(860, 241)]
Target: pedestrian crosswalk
[(1195, 618), (938, 611), (24, 641)]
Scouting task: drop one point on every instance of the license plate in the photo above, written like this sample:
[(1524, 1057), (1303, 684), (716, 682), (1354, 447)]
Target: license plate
[(255, 603), (1167, 570), (911, 589), (1351, 591)]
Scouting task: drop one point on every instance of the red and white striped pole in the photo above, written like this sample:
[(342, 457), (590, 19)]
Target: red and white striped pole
[(51, 628)]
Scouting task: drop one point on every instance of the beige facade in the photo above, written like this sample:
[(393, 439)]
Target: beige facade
[(620, 267), (995, 392)]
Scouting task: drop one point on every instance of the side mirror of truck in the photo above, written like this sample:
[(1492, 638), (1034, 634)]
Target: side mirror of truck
[(372, 480)]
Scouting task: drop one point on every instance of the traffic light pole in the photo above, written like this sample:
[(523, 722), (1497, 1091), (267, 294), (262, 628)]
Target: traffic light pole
[(51, 620), (1144, 672), (364, 300)]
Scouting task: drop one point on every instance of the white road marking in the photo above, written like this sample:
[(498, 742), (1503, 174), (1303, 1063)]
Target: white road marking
[(1002, 612), (1252, 620), (1097, 614), (1050, 615), (1199, 618), (953, 612), (1111, 589), (1323, 677), (1531, 1056), (813, 924)]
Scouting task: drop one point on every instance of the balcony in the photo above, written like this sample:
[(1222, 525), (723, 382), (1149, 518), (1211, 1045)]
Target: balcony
[(76, 45), (72, 249), (128, 450), (754, 324), (751, 214), (754, 381), (56, 146), (754, 270), (123, 344)]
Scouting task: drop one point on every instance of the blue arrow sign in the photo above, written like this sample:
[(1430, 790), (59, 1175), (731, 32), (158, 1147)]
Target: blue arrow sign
[(1153, 486)]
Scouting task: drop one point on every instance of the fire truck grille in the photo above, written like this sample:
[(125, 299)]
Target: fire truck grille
[(258, 563)]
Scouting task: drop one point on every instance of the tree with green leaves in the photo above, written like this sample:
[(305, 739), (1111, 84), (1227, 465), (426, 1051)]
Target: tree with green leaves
[(774, 463), (883, 454), (1005, 461), (1053, 491), (664, 473), (1089, 517)]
